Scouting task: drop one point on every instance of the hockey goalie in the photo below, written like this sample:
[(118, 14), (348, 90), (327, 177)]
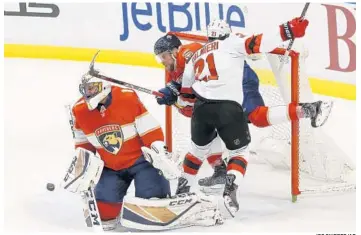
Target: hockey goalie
[(117, 141)]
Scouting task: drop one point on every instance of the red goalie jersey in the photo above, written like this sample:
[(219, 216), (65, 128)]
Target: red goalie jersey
[(116, 131)]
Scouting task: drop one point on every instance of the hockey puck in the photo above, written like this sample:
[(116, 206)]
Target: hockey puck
[(50, 186)]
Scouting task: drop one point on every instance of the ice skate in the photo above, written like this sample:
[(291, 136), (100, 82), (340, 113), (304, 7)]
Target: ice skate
[(230, 195), (318, 112), (214, 184), (183, 186)]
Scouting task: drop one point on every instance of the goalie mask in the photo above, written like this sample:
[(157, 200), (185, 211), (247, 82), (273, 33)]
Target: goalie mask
[(93, 90), (218, 29)]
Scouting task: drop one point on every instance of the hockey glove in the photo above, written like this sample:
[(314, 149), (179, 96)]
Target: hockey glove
[(295, 28), (159, 157), (170, 92), (85, 169)]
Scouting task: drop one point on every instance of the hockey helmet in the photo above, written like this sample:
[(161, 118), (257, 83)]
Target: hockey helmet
[(93, 90), (166, 43), (218, 29), (163, 50)]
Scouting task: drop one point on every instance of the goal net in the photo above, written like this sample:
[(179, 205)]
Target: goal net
[(315, 162)]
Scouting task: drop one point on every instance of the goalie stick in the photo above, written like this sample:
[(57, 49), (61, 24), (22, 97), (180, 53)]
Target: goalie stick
[(90, 208)]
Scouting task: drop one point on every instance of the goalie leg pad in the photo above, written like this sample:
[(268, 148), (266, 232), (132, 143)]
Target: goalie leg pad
[(182, 210)]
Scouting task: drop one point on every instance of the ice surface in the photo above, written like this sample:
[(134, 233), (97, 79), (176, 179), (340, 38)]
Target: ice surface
[(38, 143)]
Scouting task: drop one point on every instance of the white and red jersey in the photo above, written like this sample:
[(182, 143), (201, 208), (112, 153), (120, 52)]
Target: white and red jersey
[(117, 132), (215, 72)]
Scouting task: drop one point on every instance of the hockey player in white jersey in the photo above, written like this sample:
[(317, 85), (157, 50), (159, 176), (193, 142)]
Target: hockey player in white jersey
[(258, 113), (213, 75)]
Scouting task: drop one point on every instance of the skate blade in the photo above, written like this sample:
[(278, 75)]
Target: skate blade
[(213, 190), (231, 210), (326, 108)]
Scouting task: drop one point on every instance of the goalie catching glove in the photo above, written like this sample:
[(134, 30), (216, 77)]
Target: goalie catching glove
[(161, 159), (84, 170)]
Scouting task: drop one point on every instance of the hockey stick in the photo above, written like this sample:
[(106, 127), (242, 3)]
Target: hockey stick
[(303, 14), (91, 211), (90, 208), (96, 74)]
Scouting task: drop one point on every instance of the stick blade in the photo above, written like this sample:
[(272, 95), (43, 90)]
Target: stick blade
[(91, 66)]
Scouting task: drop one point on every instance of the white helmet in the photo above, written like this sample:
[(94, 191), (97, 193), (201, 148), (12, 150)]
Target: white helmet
[(218, 29), (93, 90)]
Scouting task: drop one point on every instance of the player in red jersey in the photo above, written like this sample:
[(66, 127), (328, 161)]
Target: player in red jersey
[(118, 141), (113, 123)]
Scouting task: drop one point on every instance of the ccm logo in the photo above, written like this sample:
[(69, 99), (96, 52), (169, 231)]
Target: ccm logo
[(180, 202), (93, 212), (93, 209), (183, 195)]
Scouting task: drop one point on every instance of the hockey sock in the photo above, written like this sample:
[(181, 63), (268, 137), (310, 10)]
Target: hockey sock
[(108, 211)]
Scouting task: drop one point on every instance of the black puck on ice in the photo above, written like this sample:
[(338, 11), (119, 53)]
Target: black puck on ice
[(50, 186)]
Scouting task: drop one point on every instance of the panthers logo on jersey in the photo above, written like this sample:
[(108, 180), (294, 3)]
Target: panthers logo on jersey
[(110, 137)]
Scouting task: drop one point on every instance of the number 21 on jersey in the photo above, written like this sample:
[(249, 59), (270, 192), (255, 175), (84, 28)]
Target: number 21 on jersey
[(199, 67)]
